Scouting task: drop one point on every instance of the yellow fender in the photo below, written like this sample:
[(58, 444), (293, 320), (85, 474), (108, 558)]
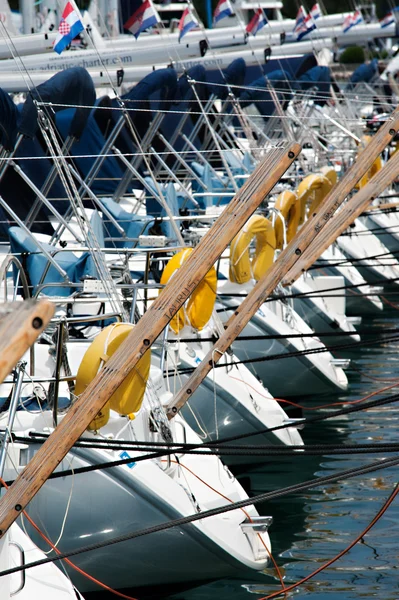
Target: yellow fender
[(242, 267), (199, 307), (313, 189), (375, 167), (127, 399), (330, 173), (287, 204)]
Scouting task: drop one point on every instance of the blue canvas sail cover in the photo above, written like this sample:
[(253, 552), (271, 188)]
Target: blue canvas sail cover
[(162, 82), (72, 87), (89, 146), (184, 90), (14, 191), (258, 94), (365, 72), (8, 121), (232, 77), (318, 78), (185, 102), (154, 92)]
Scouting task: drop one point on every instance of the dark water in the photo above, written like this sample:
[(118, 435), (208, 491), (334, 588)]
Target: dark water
[(312, 527)]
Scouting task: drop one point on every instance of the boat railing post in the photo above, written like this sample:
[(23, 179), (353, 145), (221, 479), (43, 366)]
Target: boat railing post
[(15, 396), (9, 155), (45, 201)]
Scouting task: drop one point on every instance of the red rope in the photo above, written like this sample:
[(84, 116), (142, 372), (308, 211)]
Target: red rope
[(70, 563), (380, 513)]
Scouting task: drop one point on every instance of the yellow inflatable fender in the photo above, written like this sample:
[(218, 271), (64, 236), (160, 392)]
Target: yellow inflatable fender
[(199, 307), (313, 189), (375, 167), (287, 204), (242, 266), (127, 399)]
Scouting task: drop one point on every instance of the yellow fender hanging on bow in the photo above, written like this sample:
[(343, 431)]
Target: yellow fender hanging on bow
[(242, 266), (287, 204), (313, 189), (199, 307), (127, 399)]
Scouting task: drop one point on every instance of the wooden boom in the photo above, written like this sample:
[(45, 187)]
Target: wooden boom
[(286, 261), (21, 323), (352, 209), (150, 326)]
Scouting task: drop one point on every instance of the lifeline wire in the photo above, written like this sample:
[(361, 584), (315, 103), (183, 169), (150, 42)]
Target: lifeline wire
[(298, 353), (307, 485), (318, 418)]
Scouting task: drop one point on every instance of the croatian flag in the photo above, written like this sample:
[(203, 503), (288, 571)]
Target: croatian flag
[(307, 26), (143, 18), (347, 24), (387, 20), (186, 23), (300, 20), (352, 20), (315, 11), (257, 22), (70, 26), (222, 10), (357, 18)]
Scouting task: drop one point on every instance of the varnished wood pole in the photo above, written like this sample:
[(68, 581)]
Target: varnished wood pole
[(350, 211), (147, 330), (286, 261), (21, 323)]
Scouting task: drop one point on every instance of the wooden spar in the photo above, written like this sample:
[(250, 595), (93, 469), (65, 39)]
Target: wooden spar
[(21, 323), (147, 330), (352, 209), (337, 195), (386, 205), (286, 261)]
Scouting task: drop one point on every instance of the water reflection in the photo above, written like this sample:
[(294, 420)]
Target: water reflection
[(312, 527)]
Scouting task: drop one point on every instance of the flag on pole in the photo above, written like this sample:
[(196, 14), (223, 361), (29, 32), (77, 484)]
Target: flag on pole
[(144, 17), (357, 18), (222, 10), (257, 22), (300, 20), (304, 23), (387, 20), (347, 24), (186, 23), (307, 26), (70, 26), (352, 20), (315, 11)]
